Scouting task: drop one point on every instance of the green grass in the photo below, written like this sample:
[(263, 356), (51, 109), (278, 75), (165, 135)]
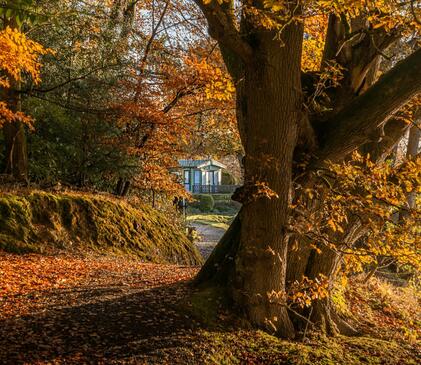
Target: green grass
[(221, 221), (257, 347)]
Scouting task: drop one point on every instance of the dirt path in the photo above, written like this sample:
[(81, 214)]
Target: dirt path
[(209, 237)]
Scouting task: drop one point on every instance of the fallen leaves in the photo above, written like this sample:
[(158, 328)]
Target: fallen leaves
[(27, 279), (111, 310), (56, 309)]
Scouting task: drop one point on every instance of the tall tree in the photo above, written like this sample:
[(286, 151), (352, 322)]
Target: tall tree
[(18, 55), (288, 141)]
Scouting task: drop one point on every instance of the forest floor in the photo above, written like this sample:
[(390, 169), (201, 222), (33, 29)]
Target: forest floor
[(108, 310)]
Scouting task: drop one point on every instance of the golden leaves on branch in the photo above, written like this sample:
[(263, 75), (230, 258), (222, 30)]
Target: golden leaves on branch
[(301, 293), (18, 55), (304, 292), (389, 15), (373, 195), (330, 77), (315, 27), (220, 2), (8, 116), (217, 83), (254, 190)]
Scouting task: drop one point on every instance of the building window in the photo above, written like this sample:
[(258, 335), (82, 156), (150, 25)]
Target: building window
[(187, 179), (216, 178), (197, 177), (210, 177)]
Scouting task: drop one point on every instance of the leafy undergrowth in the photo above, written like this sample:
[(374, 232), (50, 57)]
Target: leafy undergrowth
[(103, 310), (36, 221), (382, 310)]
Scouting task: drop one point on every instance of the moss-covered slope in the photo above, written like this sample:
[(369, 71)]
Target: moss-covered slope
[(39, 221)]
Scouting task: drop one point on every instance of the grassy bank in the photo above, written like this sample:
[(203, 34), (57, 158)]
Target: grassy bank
[(36, 221)]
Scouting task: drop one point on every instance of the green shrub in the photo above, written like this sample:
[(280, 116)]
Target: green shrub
[(222, 197), (204, 202), (231, 207), (227, 178)]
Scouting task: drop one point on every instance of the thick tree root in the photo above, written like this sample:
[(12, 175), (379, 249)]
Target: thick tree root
[(325, 318), (219, 271)]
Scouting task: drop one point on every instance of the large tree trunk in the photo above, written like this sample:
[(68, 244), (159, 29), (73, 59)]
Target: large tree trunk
[(273, 110)]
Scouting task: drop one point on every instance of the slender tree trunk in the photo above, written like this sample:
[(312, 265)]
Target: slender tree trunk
[(411, 152), (15, 142), (16, 153), (122, 187)]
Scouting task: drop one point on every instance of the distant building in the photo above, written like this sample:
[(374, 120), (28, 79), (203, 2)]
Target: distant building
[(204, 176)]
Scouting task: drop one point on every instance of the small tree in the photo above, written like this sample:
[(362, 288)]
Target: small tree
[(18, 55)]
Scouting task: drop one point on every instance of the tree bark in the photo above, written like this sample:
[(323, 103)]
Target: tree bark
[(411, 152), (363, 116), (252, 259), (271, 118), (15, 142)]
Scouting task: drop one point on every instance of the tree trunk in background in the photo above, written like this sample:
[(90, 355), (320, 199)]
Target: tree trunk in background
[(122, 187), (16, 155), (16, 151), (411, 152)]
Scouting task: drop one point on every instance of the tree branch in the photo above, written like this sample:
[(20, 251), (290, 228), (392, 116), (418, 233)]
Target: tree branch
[(358, 121), (385, 139), (221, 21)]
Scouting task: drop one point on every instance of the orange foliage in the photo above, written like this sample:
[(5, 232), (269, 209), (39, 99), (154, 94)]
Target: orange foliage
[(377, 195), (314, 41), (193, 99), (18, 55)]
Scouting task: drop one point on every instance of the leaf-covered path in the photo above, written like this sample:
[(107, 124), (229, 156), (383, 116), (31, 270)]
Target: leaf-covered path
[(209, 237), (102, 310), (74, 310)]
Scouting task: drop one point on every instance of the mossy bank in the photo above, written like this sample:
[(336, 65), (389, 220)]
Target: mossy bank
[(41, 222)]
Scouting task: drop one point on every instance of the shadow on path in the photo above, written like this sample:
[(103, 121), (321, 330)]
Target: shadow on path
[(111, 326)]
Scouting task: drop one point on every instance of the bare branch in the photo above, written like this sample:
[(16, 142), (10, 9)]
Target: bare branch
[(221, 21)]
